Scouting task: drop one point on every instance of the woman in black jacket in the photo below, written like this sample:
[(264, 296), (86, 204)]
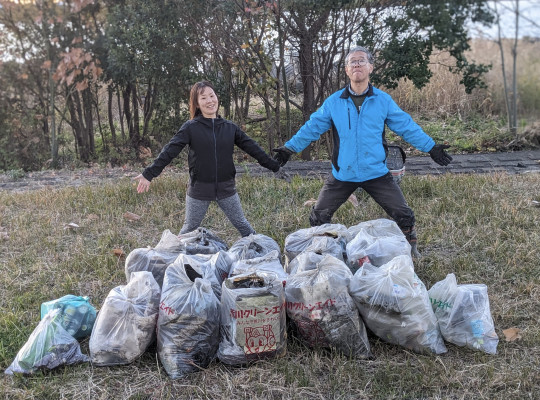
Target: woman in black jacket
[(211, 141)]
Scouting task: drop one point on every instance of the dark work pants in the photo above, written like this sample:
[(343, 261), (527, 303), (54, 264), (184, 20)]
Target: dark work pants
[(384, 190)]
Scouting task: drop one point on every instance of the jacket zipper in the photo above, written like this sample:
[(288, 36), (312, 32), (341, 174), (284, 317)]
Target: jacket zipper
[(349, 115), (215, 158)]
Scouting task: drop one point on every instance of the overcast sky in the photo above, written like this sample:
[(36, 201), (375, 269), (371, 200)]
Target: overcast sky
[(529, 23)]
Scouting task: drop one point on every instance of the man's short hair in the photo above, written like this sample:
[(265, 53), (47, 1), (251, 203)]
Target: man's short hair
[(356, 49)]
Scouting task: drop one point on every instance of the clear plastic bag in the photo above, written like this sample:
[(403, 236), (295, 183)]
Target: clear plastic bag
[(48, 347), (214, 268), (188, 323), (319, 304), (464, 314), (253, 319), (381, 227), (304, 261), (154, 260), (395, 306), (376, 250), (267, 263), (77, 314), (201, 241), (253, 246), (170, 243), (126, 323), (298, 241)]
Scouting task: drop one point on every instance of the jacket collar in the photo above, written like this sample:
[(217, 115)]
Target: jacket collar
[(208, 121), (346, 94)]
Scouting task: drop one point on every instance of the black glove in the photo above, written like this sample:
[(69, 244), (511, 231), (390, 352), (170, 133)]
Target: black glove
[(440, 156), (282, 155), (273, 165)]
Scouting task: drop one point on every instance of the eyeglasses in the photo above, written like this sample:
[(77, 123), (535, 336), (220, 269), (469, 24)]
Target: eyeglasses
[(359, 63)]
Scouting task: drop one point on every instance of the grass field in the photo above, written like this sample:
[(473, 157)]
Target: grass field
[(483, 228)]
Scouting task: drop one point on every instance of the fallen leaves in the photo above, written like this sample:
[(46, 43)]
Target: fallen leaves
[(310, 202), (3, 234), (71, 226), (119, 253), (353, 200), (131, 216), (512, 334)]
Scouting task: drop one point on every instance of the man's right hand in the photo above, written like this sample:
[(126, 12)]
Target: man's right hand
[(143, 185), (282, 155)]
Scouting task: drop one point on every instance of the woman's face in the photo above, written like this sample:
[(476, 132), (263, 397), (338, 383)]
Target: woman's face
[(208, 102)]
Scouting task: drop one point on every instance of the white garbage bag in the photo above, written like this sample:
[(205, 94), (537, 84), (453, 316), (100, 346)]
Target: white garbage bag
[(253, 246), (395, 305), (188, 323), (376, 250), (464, 315), (319, 304), (298, 241), (126, 324)]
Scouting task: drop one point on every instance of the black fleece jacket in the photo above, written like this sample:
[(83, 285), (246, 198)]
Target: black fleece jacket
[(211, 143)]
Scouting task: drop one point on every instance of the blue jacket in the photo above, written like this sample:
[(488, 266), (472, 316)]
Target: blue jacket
[(358, 137)]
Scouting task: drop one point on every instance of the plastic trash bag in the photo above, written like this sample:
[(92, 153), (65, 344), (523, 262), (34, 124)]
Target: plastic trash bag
[(366, 248), (77, 314), (154, 260), (253, 246), (170, 243), (304, 261), (201, 241), (464, 315), (395, 305), (381, 227), (298, 241), (253, 319), (188, 323), (214, 268), (319, 305), (48, 347), (126, 323), (267, 263)]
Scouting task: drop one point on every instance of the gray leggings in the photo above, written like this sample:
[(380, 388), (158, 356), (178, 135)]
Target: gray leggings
[(196, 210)]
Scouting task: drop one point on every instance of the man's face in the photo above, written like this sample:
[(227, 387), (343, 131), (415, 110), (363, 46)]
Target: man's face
[(358, 67)]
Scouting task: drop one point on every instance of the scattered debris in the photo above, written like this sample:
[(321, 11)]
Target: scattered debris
[(512, 334), (131, 216)]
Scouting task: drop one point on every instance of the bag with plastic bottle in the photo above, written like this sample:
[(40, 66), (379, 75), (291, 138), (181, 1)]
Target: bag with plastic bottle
[(126, 323), (268, 263), (298, 241), (48, 347), (201, 241), (77, 314), (464, 314), (188, 321), (376, 250), (319, 305), (253, 318), (214, 268), (253, 246), (395, 305)]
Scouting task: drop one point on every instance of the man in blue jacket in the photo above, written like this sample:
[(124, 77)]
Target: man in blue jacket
[(357, 116)]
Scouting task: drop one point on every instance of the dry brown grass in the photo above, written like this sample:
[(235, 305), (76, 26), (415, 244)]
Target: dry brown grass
[(482, 228)]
